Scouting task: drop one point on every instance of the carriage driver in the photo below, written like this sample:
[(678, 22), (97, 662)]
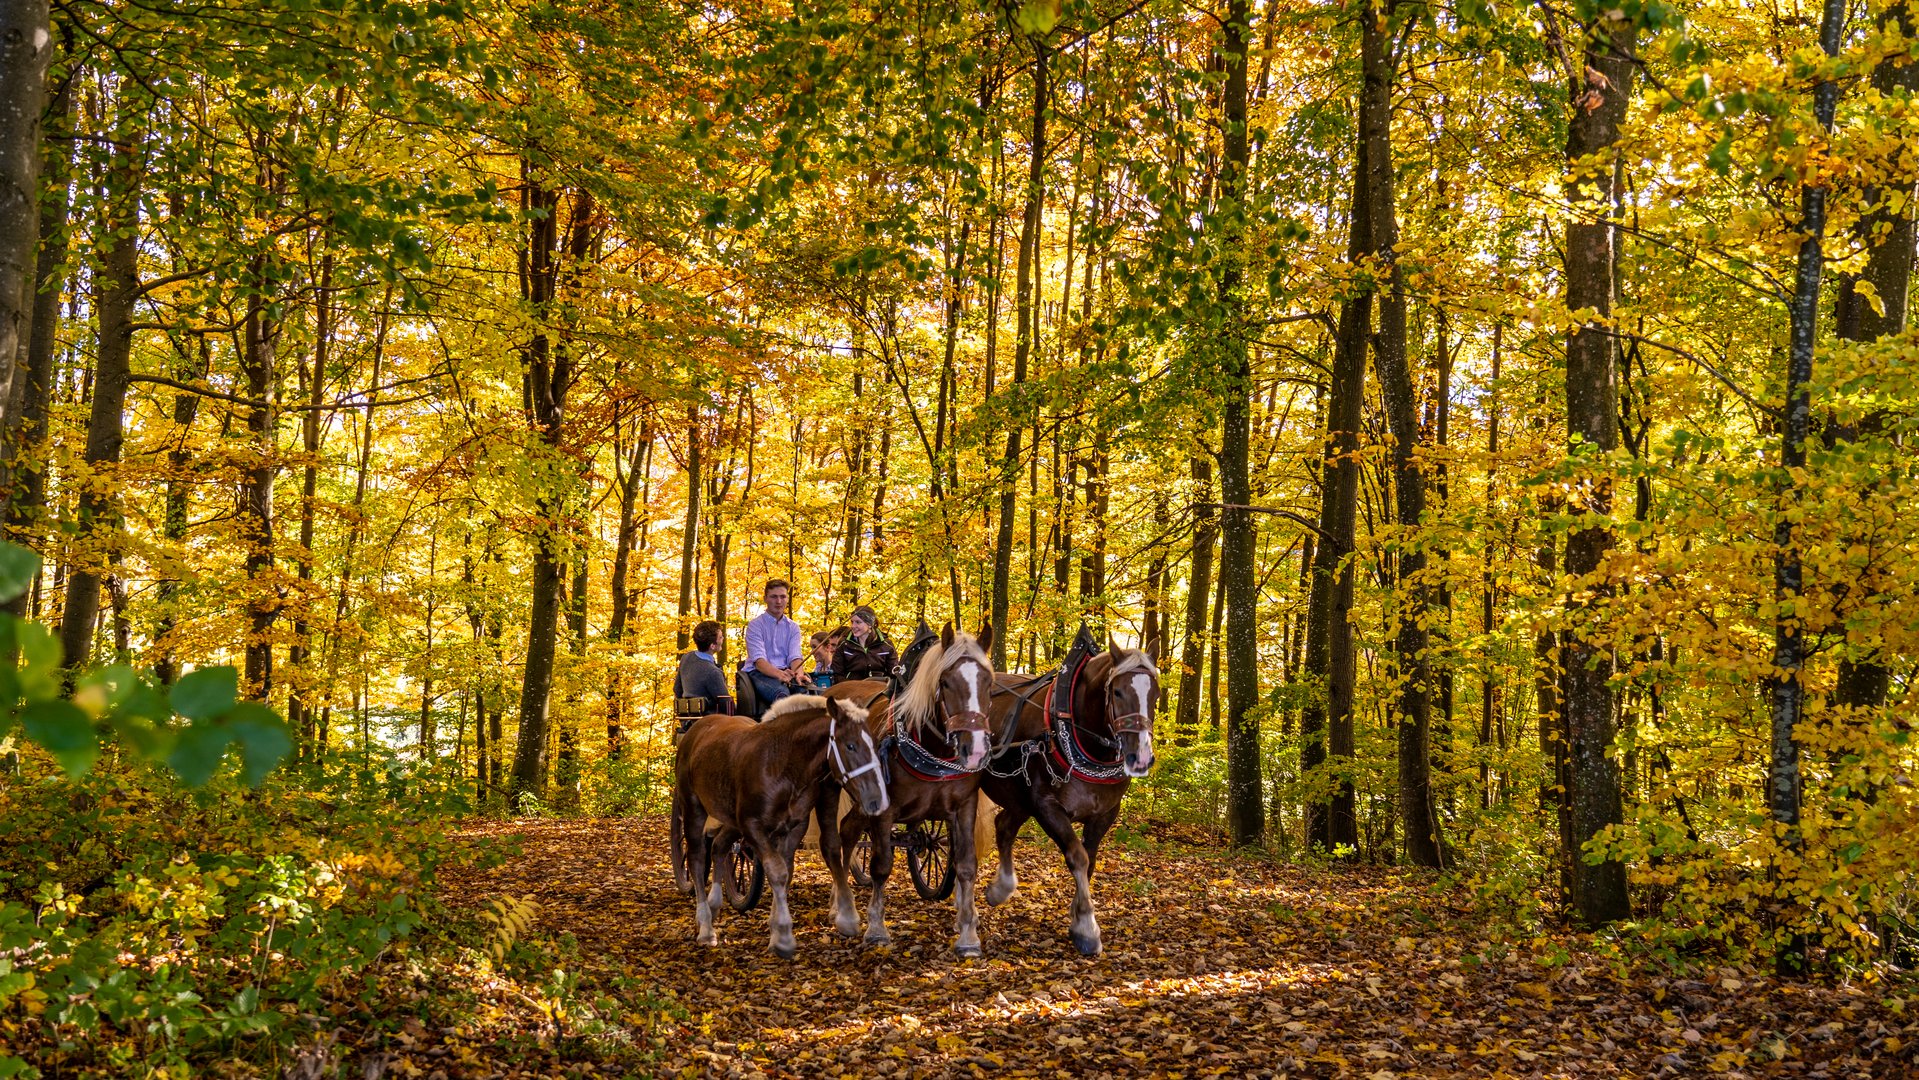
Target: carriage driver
[(775, 649), (699, 677)]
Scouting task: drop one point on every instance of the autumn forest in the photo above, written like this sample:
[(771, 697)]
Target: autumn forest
[(1488, 423)]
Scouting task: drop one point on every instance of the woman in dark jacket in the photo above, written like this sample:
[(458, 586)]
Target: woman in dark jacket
[(865, 654)]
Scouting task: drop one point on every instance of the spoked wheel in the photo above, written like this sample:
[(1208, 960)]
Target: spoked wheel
[(929, 858), (676, 844), (859, 859), (742, 887)]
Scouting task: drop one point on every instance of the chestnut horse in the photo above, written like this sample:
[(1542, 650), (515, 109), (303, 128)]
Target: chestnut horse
[(761, 781), (1072, 767), (945, 702)]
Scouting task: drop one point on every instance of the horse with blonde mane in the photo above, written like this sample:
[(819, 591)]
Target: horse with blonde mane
[(945, 700)]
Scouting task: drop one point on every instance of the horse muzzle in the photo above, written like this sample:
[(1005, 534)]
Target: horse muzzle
[(1136, 752)]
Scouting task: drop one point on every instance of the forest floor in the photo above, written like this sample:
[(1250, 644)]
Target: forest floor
[(1213, 965)]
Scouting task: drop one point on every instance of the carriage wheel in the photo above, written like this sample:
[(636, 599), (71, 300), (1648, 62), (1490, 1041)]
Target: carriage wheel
[(742, 887), (859, 859), (676, 844), (929, 858)]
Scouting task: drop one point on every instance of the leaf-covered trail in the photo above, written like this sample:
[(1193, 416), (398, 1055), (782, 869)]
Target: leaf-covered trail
[(1212, 967)]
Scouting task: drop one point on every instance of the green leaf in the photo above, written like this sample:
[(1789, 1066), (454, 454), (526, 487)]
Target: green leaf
[(65, 731), (1036, 18), (206, 693), (17, 567), (197, 753), (39, 662), (263, 738)]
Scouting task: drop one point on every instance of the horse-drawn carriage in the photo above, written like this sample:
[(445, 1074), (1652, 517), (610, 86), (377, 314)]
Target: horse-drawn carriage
[(1059, 748)]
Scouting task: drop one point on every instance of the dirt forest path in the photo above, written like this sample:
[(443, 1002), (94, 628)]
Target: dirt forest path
[(1213, 966)]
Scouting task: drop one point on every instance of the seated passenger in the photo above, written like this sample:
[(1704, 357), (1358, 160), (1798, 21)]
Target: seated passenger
[(773, 654), (699, 679), (865, 654), (825, 644)]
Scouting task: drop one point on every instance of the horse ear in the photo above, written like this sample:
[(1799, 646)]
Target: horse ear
[(985, 638), (946, 636), (1150, 647), (1112, 646)]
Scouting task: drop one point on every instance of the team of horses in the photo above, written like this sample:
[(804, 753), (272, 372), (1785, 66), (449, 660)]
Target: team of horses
[(864, 756)]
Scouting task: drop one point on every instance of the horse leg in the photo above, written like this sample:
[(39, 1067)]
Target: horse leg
[(776, 858), (1093, 833), (846, 915), (965, 870), (880, 830), (699, 848), (1006, 828), (1053, 818)]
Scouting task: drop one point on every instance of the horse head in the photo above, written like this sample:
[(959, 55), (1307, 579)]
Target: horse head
[(1132, 687), (855, 760), (952, 689)]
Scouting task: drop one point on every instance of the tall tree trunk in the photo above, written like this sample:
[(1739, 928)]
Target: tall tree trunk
[(1390, 363), (1863, 681), (1199, 590), (26, 417), (1488, 684), (299, 709), (548, 375), (1245, 797), (115, 291), (1326, 725), (26, 49), (629, 481), (186, 407), (1599, 101), (260, 340), (690, 536), (356, 521), (1025, 288), (1784, 784)]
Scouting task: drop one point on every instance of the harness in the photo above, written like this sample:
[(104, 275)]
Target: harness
[(1067, 750), (918, 762)]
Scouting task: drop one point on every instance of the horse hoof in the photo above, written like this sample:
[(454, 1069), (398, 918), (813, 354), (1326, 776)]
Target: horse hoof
[(995, 896), (968, 952), (708, 939), (785, 952), (882, 942), (1087, 946), (848, 932)]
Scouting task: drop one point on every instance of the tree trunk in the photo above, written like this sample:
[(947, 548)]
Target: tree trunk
[(548, 374), (1599, 102), (1334, 824), (299, 709), (622, 600), (26, 417), (115, 291), (690, 536), (1024, 288), (186, 407), (26, 49), (1784, 784), (1245, 797), (1192, 653), (566, 771), (1888, 231), (260, 338), (1416, 808)]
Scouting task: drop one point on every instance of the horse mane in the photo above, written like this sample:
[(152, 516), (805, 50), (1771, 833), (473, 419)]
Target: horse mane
[(919, 702), (793, 703), (1134, 660)]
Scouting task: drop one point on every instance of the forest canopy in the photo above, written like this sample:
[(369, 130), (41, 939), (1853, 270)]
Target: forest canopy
[(1491, 418)]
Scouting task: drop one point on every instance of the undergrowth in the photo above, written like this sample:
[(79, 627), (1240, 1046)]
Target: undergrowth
[(154, 931)]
